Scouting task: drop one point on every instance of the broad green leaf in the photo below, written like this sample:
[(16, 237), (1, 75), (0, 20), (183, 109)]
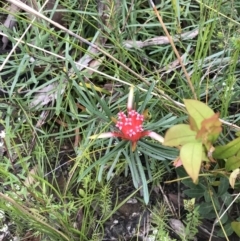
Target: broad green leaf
[(179, 135), (196, 192), (228, 150), (224, 220), (191, 155), (198, 111), (192, 123), (236, 227), (226, 227), (206, 209), (232, 163), (223, 186)]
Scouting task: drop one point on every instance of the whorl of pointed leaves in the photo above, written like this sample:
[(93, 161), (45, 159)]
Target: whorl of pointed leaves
[(130, 126)]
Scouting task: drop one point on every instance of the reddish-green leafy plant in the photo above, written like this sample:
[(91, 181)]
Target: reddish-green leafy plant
[(195, 142), (196, 139)]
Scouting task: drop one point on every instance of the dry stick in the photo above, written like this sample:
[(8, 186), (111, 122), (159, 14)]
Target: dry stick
[(174, 48)]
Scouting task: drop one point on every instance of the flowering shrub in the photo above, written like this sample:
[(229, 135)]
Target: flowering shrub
[(130, 126)]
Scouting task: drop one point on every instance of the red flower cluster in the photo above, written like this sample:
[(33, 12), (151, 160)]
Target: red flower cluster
[(130, 126)]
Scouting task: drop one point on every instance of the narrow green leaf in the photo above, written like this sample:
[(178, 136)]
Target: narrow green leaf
[(143, 178), (20, 70), (179, 135), (198, 111), (228, 150), (147, 98), (113, 165), (102, 161), (102, 102), (133, 168), (162, 152), (59, 94), (191, 156)]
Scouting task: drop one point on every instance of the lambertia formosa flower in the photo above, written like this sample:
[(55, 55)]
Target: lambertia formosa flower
[(130, 126)]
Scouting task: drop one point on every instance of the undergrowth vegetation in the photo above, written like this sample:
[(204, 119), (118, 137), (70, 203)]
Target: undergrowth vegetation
[(72, 73)]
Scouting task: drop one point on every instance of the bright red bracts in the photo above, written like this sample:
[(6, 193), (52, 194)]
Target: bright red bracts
[(130, 126)]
